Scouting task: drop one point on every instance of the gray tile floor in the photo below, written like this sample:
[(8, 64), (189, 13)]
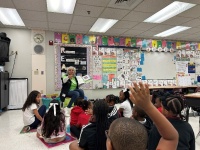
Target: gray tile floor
[(11, 123)]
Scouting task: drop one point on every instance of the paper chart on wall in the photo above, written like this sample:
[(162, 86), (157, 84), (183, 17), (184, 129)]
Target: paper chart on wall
[(97, 72), (109, 67), (127, 62), (182, 67)]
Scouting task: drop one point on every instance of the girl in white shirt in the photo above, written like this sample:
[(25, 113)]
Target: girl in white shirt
[(126, 106), (32, 113)]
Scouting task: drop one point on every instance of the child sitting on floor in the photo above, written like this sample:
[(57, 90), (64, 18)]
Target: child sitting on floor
[(83, 119), (76, 111), (53, 128), (140, 116), (126, 106), (32, 113), (112, 112)]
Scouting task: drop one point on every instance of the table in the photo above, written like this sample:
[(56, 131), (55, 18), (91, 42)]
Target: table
[(192, 100)]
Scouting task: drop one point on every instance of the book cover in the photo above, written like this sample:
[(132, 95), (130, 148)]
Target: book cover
[(83, 79)]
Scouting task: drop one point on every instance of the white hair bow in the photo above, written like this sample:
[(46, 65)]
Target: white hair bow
[(124, 90), (54, 107)]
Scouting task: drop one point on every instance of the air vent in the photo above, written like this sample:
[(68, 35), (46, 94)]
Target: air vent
[(124, 4)]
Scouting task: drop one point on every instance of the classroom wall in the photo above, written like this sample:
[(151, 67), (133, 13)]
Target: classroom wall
[(21, 42)]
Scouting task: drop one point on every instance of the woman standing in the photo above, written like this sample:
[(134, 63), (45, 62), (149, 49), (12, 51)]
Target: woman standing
[(70, 88)]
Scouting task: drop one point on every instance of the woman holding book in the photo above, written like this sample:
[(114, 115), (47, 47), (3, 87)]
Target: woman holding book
[(70, 88)]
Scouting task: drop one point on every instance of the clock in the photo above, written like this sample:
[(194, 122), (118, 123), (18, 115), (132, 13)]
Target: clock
[(38, 38)]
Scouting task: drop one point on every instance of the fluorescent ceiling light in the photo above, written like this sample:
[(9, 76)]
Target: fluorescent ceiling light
[(171, 31), (102, 25), (10, 16), (169, 11), (61, 6)]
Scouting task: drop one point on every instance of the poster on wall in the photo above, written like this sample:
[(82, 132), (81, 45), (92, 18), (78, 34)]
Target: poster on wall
[(76, 57)]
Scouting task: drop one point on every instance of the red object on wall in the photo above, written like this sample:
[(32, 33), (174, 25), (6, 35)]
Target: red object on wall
[(50, 42)]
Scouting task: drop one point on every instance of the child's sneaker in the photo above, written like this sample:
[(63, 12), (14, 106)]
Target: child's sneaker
[(27, 129)]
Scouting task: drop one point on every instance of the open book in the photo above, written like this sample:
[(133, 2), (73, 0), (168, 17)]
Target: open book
[(83, 79)]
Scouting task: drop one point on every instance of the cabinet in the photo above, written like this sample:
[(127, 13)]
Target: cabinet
[(4, 90)]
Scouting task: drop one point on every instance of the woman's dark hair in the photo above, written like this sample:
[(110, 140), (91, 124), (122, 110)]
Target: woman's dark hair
[(53, 124), (100, 112), (30, 99), (174, 104), (126, 96)]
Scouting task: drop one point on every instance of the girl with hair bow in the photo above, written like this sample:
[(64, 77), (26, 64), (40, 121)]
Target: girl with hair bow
[(53, 127)]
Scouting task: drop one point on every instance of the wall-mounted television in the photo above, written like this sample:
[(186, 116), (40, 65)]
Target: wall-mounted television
[(4, 49)]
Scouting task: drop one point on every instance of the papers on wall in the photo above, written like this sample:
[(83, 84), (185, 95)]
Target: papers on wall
[(182, 67), (184, 79)]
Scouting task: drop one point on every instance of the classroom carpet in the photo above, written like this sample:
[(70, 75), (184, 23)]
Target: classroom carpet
[(50, 145)]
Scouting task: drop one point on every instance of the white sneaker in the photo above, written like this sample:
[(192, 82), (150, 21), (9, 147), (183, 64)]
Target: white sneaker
[(67, 111)]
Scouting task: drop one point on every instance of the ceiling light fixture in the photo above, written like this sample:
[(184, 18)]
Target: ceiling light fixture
[(171, 31), (10, 16), (102, 25), (169, 11), (61, 6)]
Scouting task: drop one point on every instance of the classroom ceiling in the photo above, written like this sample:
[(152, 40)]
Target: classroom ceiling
[(35, 16)]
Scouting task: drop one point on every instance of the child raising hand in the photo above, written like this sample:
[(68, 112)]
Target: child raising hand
[(32, 113), (140, 96)]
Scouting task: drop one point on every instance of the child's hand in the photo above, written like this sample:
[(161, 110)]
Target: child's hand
[(140, 95)]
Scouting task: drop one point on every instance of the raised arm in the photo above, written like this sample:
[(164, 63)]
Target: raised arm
[(140, 95)]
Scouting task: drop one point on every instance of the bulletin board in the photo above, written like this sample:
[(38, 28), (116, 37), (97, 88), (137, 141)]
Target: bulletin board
[(159, 65), (113, 67)]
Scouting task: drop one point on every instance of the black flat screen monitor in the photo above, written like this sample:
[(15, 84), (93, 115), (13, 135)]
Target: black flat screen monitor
[(4, 49)]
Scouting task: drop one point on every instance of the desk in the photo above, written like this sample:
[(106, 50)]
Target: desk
[(192, 100)]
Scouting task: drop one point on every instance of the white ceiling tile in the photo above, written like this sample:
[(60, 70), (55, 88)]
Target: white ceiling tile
[(193, 12), (81, 10), (6, 4), (38, 5), (33, 15), (53, 25), (58, 30), (177, 20), (80, 32), (125, 24), (83, 28), (192, 23), (161, 28), (133, 32), (148, 33), (83, 20), (59, 18), (152, 5), (115, 32), (144, 26), (35, 24), (111, 13), (137, 16), (94, 2), (191, 1), (191, 31)]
